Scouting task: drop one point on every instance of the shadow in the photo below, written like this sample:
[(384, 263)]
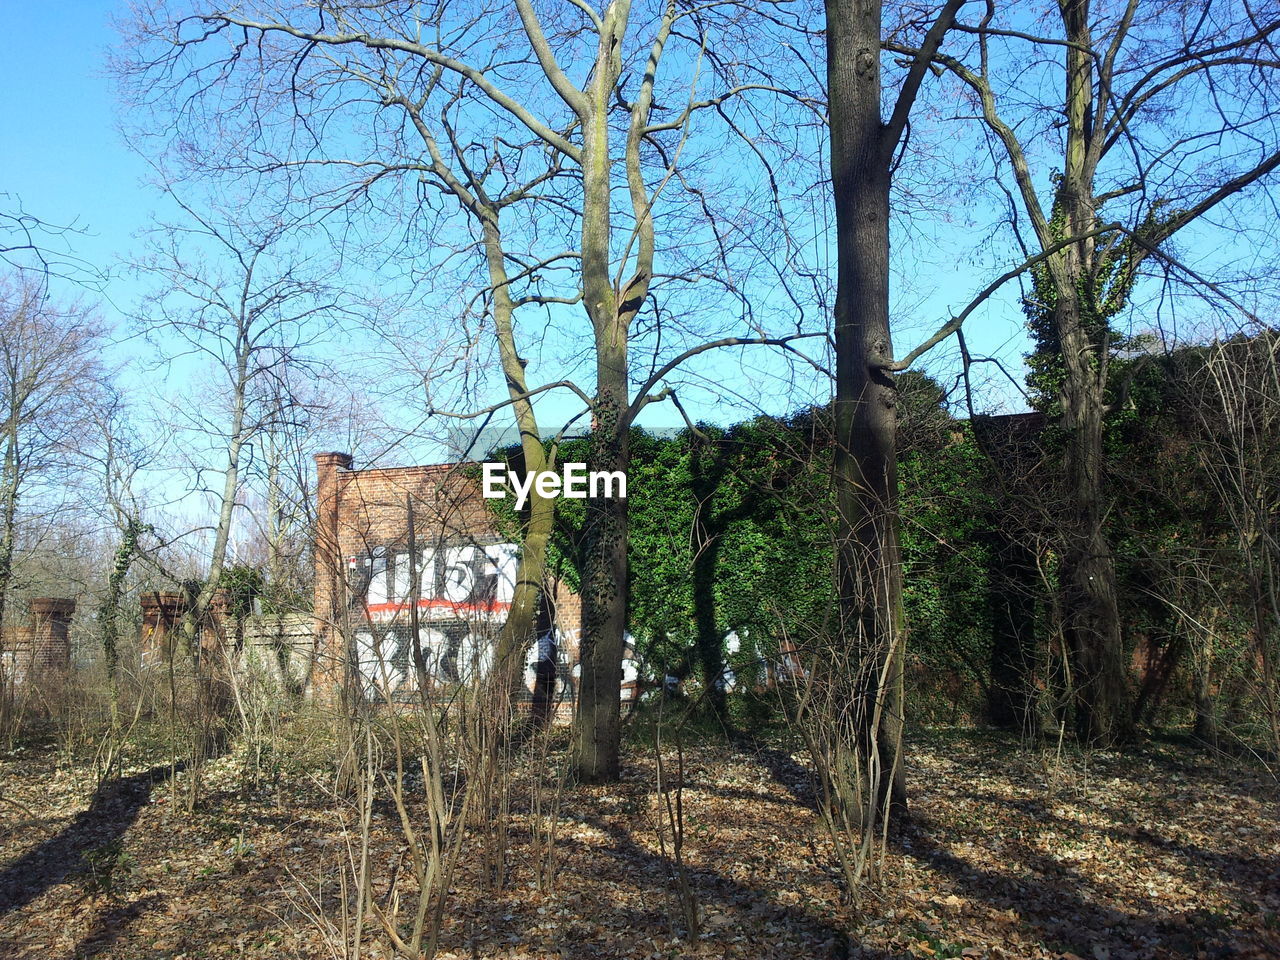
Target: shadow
[(1232, 869), (783, 768), (741, 906), (1052, 904), (114, 807), (110, 924)]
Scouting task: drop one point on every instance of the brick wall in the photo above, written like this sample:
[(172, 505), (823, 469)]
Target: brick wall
[(364, 573), (162, 614)]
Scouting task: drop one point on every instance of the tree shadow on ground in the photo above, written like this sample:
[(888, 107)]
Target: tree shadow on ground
[(739, 907), (1232, 869), (110, 925), (113, 809), (782, 767), (1053, 906)]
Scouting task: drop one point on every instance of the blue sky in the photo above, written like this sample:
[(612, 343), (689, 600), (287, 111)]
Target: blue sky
[(59, 149), (62, 155)]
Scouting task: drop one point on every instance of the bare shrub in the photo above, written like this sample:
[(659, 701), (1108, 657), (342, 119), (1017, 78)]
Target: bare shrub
[(671, 835)]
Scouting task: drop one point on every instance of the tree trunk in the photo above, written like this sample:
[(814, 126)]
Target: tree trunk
[(211, 666), (597, 734), (8, 509), (604, 591), (868, 565), (275, 512), (1091, 605), (546, 671), (1206, 722), (710, 534), (520, 627)]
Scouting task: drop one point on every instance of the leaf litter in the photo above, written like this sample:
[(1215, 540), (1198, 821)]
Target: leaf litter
[(1008, 853)]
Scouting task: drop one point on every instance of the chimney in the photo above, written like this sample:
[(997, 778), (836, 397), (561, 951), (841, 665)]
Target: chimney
[(330, 580)]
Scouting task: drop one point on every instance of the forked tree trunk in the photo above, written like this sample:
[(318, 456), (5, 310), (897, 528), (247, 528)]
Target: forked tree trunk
[(869, 570)]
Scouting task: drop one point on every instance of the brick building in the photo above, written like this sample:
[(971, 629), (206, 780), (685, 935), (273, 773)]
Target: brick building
[(391, 538)]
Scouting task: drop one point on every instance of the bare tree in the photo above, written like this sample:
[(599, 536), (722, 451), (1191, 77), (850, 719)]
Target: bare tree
[(1235, 402), (51, 380), (871, 631), (299, 412), (119, 455), (1154, 115), (243, 298), (36, 249), (556, 132)]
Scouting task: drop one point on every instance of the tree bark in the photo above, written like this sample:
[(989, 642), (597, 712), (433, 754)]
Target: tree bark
[(1088, 574), (604, 608), (868, 564), (1206, 719), (1089, 580), (520, 627), (9, 486)]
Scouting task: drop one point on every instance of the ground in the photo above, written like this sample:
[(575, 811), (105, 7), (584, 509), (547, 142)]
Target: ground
[(1009, 852)]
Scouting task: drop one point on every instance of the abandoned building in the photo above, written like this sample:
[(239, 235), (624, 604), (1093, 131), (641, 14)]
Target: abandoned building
[(390, 538), (387, 539)]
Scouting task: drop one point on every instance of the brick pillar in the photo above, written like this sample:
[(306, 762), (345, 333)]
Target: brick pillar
[(160, 615), (330, 581), (51, 634)]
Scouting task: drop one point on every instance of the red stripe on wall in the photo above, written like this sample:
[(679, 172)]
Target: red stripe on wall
[(489, 606)]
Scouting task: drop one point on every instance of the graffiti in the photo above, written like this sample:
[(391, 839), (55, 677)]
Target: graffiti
[(452, 652), (466, 580), (456, 651), (463, 592)]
